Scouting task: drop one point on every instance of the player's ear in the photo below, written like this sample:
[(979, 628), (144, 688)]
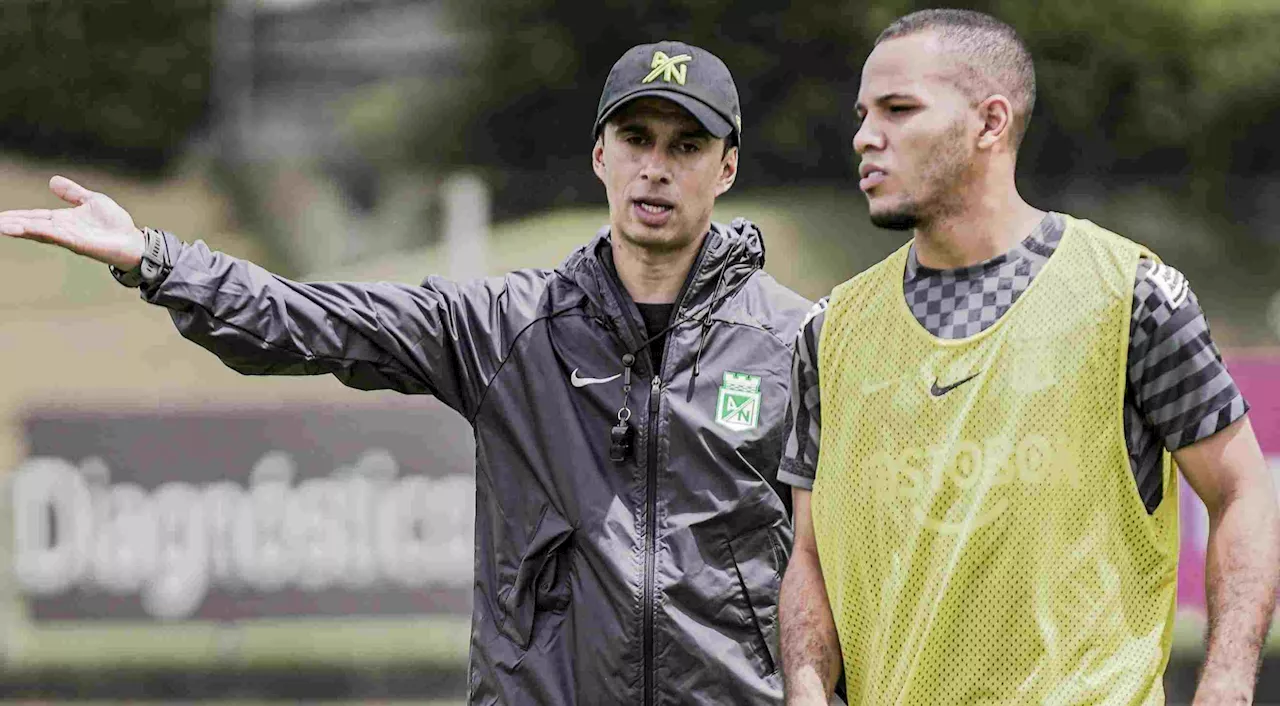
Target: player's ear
[(728, 170), (996, 114), (597, 155)]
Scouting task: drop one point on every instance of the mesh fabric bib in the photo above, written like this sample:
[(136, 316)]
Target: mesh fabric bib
[(980, 532)]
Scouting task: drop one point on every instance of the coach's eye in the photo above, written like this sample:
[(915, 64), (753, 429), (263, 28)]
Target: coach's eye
[(689, 147), (899, 109)]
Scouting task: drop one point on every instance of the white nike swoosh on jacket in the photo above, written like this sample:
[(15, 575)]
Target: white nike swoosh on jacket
[(583, 382)]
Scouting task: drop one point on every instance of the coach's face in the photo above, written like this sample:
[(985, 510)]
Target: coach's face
[(662, 172), (914, 138)]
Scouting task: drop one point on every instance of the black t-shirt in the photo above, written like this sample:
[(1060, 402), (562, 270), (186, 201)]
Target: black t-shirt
[(656, 317)]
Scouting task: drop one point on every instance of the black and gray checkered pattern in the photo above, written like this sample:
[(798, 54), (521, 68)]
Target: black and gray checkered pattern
[(960, 303), (1178, 392)]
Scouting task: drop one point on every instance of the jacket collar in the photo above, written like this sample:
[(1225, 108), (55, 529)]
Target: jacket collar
[(736, 250)]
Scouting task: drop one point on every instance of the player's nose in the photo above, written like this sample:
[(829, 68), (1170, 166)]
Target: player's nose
[(867, 137)]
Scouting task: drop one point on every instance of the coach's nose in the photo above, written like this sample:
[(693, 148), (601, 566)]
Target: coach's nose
[(656, 167)]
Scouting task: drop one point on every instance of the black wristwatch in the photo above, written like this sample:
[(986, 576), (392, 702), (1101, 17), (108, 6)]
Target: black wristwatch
[(155, 263)]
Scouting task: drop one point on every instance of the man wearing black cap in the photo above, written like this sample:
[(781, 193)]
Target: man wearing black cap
[(629, 406)]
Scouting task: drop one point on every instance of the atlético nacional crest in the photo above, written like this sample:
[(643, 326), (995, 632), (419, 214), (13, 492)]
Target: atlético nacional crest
[(738, 406)]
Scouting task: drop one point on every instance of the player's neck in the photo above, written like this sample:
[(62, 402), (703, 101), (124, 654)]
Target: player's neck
[(986, 226), (653, 276)]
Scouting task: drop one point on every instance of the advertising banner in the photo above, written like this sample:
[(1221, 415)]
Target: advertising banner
[(245, 514), (251, 534), (1258, 377)]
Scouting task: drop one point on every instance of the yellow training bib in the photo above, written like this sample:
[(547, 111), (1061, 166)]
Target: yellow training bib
[(980, 531)]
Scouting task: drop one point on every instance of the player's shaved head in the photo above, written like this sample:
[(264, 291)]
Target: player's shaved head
[(989, 57)]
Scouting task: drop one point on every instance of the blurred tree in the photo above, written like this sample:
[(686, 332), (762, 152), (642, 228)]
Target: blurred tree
[(123, 81), (1183, 89)]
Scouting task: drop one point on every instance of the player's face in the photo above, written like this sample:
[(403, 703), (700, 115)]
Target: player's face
[(662, 172), (914, 140)]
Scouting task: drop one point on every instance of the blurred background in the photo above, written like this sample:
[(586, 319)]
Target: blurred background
[(176, 532)]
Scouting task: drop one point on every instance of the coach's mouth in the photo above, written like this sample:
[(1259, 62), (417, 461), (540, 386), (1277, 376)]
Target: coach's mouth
[(652, 210)]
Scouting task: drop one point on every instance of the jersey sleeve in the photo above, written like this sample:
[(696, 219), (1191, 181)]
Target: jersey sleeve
[(800, 458), (1176, 376)]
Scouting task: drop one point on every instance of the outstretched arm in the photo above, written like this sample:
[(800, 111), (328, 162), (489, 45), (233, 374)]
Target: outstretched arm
[(1229, 474), (810, 648), (441, 338)]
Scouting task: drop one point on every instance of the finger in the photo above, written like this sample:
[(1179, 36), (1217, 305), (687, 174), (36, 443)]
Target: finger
[(31, 228), (43, 213), (69, 191)]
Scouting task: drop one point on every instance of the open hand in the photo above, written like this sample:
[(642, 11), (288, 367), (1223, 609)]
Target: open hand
[(96, 227)]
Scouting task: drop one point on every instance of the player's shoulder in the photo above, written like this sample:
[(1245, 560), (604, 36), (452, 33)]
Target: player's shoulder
[(1156, 283), (1165, 309), (811, 327), (813, 319), (1161, 286), (883, 279)]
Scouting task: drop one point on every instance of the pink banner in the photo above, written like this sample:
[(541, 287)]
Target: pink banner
[(1258, 376)]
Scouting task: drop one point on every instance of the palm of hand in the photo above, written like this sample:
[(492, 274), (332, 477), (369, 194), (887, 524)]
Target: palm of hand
[(96, 226)]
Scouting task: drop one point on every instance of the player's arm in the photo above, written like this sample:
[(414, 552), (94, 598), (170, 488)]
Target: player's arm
[(811, 660), (369, 336), (1228, 472), (1187, 398)]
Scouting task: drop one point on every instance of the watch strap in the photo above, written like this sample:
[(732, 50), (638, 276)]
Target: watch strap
[(154, 265)]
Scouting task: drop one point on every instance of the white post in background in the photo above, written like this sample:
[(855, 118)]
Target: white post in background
[(466, 226), (232, 79)]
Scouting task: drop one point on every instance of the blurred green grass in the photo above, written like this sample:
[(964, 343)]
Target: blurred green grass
[(815, 238), (818, 237), (440, 641)]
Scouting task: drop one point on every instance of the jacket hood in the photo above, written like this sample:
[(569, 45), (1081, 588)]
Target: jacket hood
[(730, 252)]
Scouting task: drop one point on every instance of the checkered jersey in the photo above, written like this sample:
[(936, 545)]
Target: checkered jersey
[(1178, 391)]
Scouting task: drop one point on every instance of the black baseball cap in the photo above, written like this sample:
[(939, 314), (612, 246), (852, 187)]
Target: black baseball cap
[(693, 78)]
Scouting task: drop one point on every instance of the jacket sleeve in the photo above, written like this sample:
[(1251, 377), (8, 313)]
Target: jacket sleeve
[(441, 338)]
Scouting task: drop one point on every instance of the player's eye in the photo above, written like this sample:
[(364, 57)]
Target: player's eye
[(900, 109), (690, 147)]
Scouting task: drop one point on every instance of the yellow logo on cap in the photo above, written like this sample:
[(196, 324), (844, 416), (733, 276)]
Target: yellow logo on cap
[(673, 68)]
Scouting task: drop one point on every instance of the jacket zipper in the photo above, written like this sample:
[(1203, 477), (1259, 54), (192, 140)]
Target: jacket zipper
[(651, 491), (650, 545)]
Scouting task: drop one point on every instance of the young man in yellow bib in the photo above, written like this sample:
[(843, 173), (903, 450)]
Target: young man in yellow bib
[(985, 489)]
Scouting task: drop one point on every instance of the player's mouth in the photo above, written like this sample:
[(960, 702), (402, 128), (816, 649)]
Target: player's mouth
[(872, 176), (653, 211)]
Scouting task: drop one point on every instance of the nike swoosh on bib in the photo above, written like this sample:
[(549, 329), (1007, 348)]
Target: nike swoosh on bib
[(940, 391), (583, 382)]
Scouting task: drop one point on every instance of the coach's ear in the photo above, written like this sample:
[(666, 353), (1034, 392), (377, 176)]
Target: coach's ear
[(728, 170), (597, 156)]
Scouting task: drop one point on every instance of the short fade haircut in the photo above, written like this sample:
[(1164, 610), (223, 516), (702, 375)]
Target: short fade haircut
[(994, 57)]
